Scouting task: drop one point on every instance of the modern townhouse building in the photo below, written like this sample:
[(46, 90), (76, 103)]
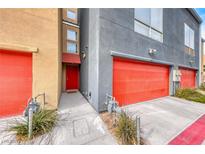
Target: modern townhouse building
[(131, 54), (34, 56), (138, 54)]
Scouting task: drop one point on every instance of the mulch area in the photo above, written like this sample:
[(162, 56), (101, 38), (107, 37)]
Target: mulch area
[(110, 120)]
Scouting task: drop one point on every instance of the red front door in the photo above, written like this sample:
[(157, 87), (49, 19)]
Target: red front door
[(72, 77)]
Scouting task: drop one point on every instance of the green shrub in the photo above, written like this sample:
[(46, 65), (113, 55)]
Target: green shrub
[(43, 122), (190, 94), (126, 129)]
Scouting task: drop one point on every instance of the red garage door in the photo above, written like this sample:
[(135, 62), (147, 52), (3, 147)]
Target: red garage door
[(135, 81), (15, 82), (188, 78)]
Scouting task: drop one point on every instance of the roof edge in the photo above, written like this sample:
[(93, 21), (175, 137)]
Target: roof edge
[(195, 14)]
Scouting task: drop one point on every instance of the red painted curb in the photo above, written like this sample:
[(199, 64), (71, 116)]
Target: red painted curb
[(193, 135)]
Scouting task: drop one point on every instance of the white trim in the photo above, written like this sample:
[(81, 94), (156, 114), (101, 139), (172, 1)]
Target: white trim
[(71, 24), (131, 56)]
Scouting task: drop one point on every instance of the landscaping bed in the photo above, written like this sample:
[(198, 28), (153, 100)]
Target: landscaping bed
[(196, 95), (202, 87), (109, 120), (43, 122), (121, 126)]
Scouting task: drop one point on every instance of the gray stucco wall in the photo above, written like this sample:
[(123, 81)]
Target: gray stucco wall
[(84, 35), (89, 68), (116, 33)]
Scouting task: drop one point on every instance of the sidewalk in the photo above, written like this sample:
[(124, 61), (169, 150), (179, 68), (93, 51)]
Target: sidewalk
[(84, 125)]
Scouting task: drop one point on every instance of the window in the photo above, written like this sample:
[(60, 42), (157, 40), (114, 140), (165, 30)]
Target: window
[(143, 15), (149, 22), (71, 35), (71, 15), (156, 19), (70, 39), (189, 40), (186, 37), (71, 47)]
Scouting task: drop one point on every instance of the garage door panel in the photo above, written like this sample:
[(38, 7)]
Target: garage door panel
[(15, 82), (135, 81), (188, 78)]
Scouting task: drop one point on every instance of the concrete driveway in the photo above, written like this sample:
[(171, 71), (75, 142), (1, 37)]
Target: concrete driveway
[(165, 118)]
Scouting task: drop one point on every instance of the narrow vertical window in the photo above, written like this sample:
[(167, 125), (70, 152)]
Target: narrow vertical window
[(189, 40), (70, 39)]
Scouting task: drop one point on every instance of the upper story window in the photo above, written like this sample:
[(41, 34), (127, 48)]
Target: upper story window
[(149, 22), (189, 40), (188, 36), (71, 47), (70, 15), (71, 35), (70, 39)]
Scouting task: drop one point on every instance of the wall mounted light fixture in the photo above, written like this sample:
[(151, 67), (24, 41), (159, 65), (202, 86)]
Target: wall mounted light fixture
[(152, 51), (83, 53)]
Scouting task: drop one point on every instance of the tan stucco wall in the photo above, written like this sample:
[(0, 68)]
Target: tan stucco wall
[(37, 28)]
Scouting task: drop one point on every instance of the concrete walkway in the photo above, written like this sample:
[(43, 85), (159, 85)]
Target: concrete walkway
[(83, 126), (163, 119), (78, 124)]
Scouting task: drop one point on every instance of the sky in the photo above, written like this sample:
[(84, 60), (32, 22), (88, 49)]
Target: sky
[(201, 12)]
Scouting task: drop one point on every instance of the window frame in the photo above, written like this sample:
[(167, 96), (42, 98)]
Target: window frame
[(188, 49), (70, 51), (66, 40), (76, 35), (149, 26), (65, 17)]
